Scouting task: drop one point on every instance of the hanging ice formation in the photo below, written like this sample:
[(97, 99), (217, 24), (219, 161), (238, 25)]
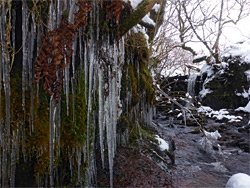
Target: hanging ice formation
[(191, 85), (53, 136)]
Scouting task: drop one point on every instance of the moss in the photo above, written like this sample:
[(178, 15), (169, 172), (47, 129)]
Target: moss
[(134, 85), (73, 133), (137, 85), (139, 132)]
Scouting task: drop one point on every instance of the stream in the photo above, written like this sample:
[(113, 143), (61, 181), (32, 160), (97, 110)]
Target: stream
[(196, 167)]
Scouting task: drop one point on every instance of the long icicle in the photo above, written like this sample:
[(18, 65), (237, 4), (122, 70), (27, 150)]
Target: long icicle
[(100, 115), (25, 50)]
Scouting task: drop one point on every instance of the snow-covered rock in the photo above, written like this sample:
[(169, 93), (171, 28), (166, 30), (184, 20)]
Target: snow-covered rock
[(227, 84), (162, 143), (239, 180)]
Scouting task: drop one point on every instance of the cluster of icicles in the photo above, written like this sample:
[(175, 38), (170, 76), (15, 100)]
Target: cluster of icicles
[(104, 80)]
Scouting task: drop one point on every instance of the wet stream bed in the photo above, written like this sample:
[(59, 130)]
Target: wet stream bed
[(196, 166)]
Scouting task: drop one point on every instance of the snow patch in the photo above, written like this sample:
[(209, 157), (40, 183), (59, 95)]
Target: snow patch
[(219, 115), (239, 180), (241, 49), (156, 7), (245, 94), (247, 73), (140, 29), (209, 141), (148, 20), (135, 3), (204, 92), (162, 143), (244, 109)]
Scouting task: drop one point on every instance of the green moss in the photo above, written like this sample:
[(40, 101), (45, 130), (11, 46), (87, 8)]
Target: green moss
[(141, 133), (135, 18)]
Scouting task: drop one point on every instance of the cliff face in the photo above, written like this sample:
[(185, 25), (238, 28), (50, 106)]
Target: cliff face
[(73, 84)]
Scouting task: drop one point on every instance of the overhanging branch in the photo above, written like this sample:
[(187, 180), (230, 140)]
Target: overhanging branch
[(141, 10)]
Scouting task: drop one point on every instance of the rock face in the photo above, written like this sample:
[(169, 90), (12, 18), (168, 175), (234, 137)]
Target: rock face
[(226, 85)]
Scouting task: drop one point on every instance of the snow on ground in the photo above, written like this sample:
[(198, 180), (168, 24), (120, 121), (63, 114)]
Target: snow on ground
[(162, 143), (219, 115), (244, 109), (239, 180)]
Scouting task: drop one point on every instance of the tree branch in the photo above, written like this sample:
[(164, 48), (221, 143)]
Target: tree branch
[(141, 10)]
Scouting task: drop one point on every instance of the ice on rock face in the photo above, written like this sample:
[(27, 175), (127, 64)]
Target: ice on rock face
[(191, 85), (24, 50), (102, 85), (101, 112)]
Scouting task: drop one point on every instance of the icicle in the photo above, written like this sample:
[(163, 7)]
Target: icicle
[(73, 77), (74, 56), (79, 159), (73, 98), (52, 117), (58, 16), (13, 25), (66, 81), (39, 42), (114, 95), (86, 68), (1, 59), (30, 66), (71, 11), (191, 85), (100, 115), (52, 16), (80, 50), (58, 130), (25, 50), (7, 135), (109, 133), (90, 95)]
